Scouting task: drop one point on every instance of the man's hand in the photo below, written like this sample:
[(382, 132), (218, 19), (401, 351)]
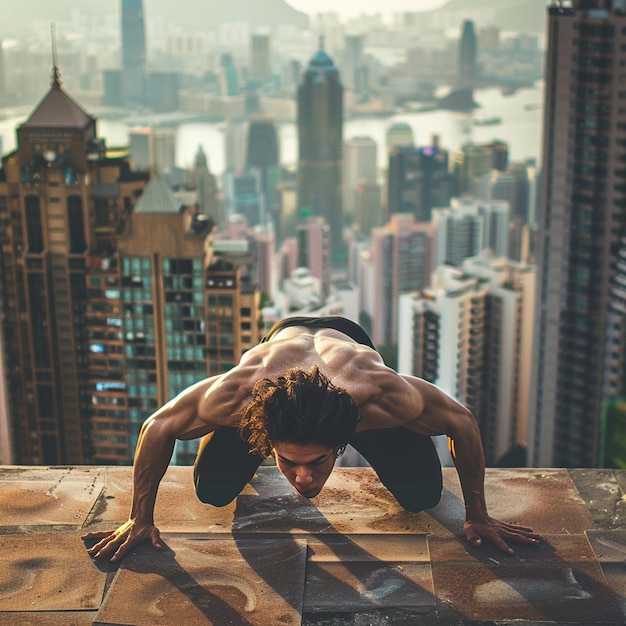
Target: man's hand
[(120, 541), (481, 526)]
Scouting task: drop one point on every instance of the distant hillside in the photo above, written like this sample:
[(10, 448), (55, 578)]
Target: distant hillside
[(189, 14), (526, 16)]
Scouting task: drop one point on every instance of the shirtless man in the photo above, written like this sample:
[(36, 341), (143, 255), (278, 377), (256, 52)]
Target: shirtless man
[(312, 386)]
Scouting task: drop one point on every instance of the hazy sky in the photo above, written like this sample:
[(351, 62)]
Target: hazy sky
[(356, 7)]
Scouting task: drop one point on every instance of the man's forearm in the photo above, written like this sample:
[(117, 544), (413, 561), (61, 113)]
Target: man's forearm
[(469, 460), (152, 457)]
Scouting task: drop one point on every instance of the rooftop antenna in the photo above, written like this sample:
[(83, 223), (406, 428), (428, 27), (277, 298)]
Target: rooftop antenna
[(56, 75)]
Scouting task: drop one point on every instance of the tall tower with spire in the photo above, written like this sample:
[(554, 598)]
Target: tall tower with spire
[(63, 201), (133, 53), (468, 53), (320, 135)]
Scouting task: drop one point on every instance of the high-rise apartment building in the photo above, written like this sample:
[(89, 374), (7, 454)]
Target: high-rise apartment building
[(418, 180), (113, 300), (399, 134), (133, 53), (402, 261), (512, 185), (473, 161), (243, 195), (467, 227), (203, 181), (470, 333), (368, 209), (261, 151), (229, 76), (234, 144), (320, 139), (359, 166), (152, 149), (162, 91), (62, 201), (314, 250), (352, 58), (260, 64), (581, 228)]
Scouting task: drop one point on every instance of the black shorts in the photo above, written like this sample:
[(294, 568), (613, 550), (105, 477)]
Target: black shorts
[(342, 324)]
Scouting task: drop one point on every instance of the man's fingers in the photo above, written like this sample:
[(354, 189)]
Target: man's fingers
[(496, 538), (519, 529), (520, 538), (122, 550), (472, 536), (104, 547), (96, 534)]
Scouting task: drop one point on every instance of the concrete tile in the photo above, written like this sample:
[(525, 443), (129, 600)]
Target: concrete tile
[(546, 500), (353, 501), (361, 585), (251, 583), (48, 572), (377, 548), (54, 618), (47, 496), (177, 507), (609, 547), (559, 582), (602, 491)]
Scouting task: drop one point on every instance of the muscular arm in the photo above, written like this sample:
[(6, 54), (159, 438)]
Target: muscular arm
[(442, 415), (184, 417), (439, 414)]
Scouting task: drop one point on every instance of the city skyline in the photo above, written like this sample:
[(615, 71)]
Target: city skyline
[(287, 215)]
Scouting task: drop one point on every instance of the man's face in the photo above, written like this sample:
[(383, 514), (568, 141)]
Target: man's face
[(306, 466)]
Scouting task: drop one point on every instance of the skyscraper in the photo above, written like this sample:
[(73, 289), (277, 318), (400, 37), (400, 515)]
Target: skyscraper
[(314, 251), (582, 218), (260, 57), (320, 137), (468, 54), (229, 77), (113, 299), (359, 166), (402, 259), (399, 134), (133, 53), (467, 227), (471, 162), (352, 57), (470, 333), (203, 181), (152, 149), (261, 152), (418, 180), (62, 201)]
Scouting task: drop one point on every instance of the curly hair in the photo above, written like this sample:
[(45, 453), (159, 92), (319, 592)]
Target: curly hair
[(299, 407)]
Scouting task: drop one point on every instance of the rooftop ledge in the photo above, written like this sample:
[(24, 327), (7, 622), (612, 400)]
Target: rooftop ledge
[(350, 556)]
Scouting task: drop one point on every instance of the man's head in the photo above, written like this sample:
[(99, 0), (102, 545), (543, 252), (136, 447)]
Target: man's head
[(305, 420)]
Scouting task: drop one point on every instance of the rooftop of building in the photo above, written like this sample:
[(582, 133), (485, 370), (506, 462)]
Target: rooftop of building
[(350, 556)]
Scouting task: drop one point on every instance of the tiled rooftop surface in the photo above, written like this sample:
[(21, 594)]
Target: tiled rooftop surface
[(351, 556)]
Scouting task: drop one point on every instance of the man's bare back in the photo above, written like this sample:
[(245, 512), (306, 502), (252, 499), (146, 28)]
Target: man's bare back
[(385, 398)]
